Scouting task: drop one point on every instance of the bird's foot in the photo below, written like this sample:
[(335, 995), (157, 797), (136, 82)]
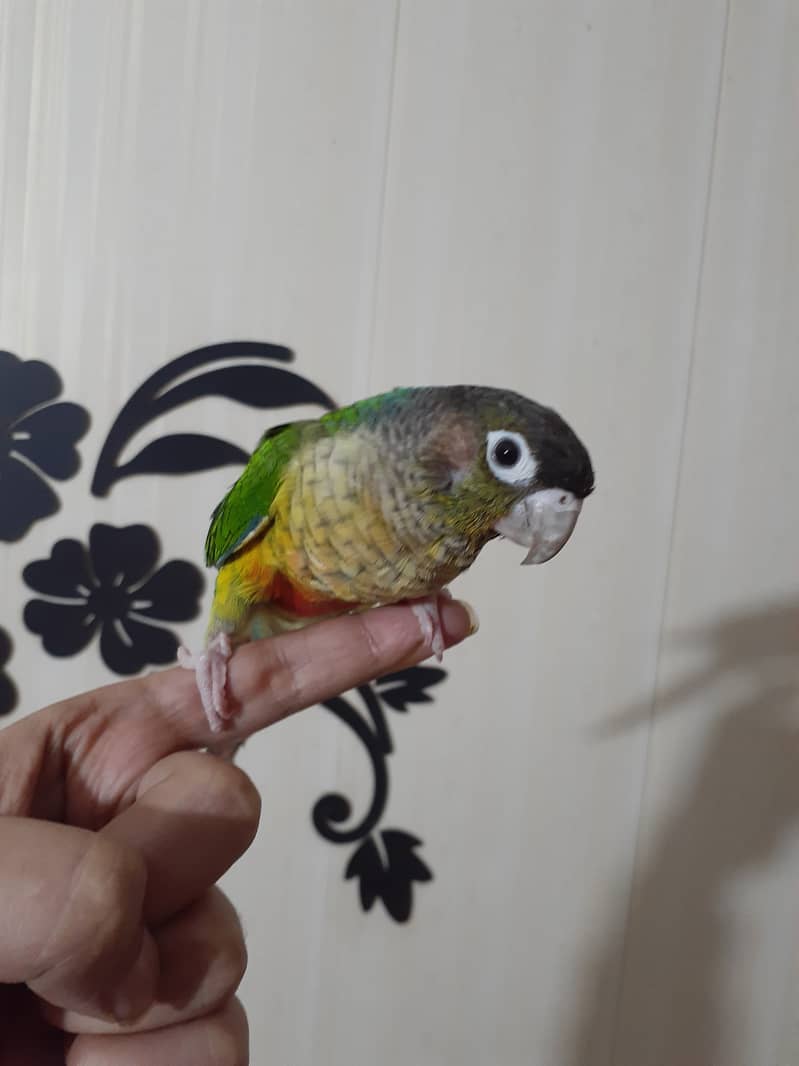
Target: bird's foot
[(210, 668), (429, 620)]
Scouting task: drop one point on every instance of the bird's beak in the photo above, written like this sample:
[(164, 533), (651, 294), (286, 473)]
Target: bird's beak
[(542, 522)]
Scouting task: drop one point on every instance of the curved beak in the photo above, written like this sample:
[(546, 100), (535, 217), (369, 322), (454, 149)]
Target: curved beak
[(542, 522)]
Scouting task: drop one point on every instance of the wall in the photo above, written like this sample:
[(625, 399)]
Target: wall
[(596, 204)]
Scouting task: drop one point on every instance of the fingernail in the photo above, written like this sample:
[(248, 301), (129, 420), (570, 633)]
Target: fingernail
[(137, 990), (474, 621)]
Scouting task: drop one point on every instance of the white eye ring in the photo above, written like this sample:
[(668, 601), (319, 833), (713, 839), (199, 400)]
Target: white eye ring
[(522, 466)]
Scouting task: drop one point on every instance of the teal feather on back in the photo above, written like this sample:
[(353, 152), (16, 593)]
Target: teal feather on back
[(364, 412)]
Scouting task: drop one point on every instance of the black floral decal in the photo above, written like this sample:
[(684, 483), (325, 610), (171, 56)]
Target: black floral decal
[(386, 866), (256, 384), (390, 878), (114, 587), (8, 691), (37, 438)]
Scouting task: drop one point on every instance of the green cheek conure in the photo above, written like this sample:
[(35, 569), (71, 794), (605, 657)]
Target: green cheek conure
[(384, 501)]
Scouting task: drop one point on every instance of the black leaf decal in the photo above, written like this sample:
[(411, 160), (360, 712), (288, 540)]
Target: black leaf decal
[(38, 439), (259, 386), (115, 588), (405, 687), (333, 809), (183, 453), (8, 690), (386, 866), (255, 386), (385, 863)]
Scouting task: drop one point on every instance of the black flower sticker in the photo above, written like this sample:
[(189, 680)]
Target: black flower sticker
[(37, 438), (387, 872), (8, 691), (114, 587)]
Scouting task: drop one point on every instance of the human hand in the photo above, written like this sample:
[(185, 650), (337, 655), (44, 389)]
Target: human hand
[(116, 946)]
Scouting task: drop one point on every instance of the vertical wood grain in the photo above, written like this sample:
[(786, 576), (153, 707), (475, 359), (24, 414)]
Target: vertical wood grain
[(712, 937)]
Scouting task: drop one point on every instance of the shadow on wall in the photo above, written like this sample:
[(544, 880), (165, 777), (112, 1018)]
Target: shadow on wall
[(739, 809)]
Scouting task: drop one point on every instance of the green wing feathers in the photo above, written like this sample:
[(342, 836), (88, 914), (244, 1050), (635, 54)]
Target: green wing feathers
[(245, 509)]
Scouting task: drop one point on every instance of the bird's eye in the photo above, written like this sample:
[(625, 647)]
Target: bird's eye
[(509, 457), (506, 452)]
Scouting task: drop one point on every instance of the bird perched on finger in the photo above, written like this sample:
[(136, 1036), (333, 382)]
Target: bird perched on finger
[(384, 501)]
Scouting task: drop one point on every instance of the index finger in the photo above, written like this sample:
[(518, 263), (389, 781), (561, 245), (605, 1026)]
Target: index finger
[(272, 678), (111, 737)]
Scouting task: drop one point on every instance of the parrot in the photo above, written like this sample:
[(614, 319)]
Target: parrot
[(384, 501)]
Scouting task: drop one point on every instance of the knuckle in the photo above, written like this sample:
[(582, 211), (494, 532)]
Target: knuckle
[(229, 950), (231, 961), (375, 652), (280, 672), (226, 1047), (389, 642), (233, 964), (100, 912), (120, 871), (288, 669), (229, 789), (229, 1037), (244, 797), (110, 887)]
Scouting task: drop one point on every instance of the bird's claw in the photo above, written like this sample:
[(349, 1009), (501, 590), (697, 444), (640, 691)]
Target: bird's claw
[(210, 668), (429, 620)]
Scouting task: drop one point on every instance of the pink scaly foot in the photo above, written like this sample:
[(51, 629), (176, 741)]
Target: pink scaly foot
[(426, 612), (210, 666)]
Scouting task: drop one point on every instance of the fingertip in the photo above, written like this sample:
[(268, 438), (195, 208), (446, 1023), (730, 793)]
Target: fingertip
[(458, 620)]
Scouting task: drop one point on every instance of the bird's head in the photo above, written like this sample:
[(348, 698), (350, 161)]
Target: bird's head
[(511, 468)]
